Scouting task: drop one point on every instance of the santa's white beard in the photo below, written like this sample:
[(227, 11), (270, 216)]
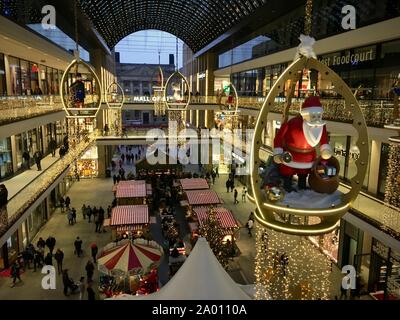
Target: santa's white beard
[(312, 133)]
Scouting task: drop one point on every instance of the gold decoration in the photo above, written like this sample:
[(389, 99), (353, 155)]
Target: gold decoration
[(265, 213), (115, 100)]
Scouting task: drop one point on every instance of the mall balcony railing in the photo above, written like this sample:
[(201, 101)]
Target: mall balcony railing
[(377, 113), (27, 196), (16, 108)]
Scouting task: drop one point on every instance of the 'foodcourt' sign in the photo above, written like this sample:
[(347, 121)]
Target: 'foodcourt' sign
[(353, 58)]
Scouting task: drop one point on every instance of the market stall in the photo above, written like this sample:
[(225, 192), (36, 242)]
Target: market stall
[(194, 184), (130, 219), (202, 197), (228, 222), (131, 192)]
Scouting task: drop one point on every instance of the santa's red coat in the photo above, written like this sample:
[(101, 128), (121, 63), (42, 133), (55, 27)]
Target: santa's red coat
[(291, 138)]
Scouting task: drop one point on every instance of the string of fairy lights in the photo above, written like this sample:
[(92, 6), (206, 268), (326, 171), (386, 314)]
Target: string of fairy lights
[(289, 267)]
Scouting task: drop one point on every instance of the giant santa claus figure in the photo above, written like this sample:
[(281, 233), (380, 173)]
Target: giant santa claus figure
[(295, 143)]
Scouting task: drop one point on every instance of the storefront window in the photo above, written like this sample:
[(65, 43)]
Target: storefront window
[(15, 76), (6, 168), (43, 79), (87, 165), (3, 85), (35, 79), (25, 77), (12, 247), (36, 220)]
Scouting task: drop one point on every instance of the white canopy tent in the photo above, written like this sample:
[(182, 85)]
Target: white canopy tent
[(201, 277)]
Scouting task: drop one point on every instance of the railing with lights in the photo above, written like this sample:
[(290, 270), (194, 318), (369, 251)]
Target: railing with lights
[(31, 193), (16, 108)]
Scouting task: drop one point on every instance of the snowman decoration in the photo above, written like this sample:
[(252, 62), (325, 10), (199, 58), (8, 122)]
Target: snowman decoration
[(295, 144)]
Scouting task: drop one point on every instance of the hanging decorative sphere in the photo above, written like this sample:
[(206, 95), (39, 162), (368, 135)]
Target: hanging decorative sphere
[(80, 90), (115, 97), (300, 207), (177, 92)]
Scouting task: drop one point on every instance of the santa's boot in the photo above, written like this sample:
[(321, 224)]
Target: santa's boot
[(287, 184), (302, 181)]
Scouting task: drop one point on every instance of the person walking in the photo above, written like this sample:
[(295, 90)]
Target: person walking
[(78, 246), (27, 159), (94, 250), (109, 210), (37, 260), (15, 273), (70, 217), (83, 209), (48, 261), (228, 185), (89, 213), (41, 243), (38, 158), (51, 243), (89, 271), (67, 202), (81, 286), (244, 194), (67, 282), (62, 203), (53, 147), (73, 215), (250, 225), (90, 293), (59, 256), (62, 151), (114, 179), (213, 176), (235, 195)]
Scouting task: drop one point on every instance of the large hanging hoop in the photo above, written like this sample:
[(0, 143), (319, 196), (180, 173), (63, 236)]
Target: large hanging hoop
[(115, 100), (267, 211), (76, 103), (179, 101)]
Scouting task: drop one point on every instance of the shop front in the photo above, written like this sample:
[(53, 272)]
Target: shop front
[(87, 165), (6, 167), (36, 220)]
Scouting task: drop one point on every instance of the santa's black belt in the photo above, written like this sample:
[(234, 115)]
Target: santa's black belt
[(297, 150)]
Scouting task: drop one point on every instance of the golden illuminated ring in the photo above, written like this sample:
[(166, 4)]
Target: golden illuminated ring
[(115, 105), (64, 78), (170, 106), (265, 213)]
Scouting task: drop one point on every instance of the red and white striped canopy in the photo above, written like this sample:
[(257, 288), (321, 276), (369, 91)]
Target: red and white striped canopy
[(224, 216), (129, 257), (133, 214), (201, 197), (194, 184), (131, 189)]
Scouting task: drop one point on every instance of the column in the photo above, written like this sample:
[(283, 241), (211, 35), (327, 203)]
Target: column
[(102, 161), (373, 176)]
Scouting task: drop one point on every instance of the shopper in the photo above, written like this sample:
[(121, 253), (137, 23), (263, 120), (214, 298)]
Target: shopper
[(70, 217), (27, 159), (48, 261), (53, 147), (15, 273), (228, 185), (78, 246), (89, 271), (51, 243), (90, 292), (62, 203), (41, 243), (67, 282), (59, 256), (38, 158), (250, 224), (62, 151), (67, 201), (74, 215), (235, 195), (83, 209), (89, 213), (82, 287), (244, 194), (94, 250)]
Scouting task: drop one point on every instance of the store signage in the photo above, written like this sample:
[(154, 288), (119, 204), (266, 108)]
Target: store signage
[(354, 58), (148, 99)]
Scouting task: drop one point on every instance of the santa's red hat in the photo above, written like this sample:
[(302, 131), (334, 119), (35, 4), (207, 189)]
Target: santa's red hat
[(311, 105)]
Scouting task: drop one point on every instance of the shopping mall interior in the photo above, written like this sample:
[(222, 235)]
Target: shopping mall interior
[(257, 159)]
